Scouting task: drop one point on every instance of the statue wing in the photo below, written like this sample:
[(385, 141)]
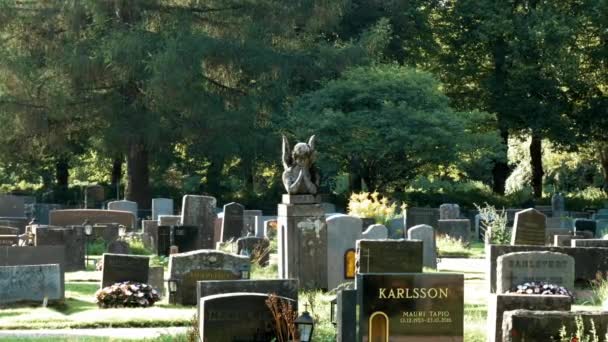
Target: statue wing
[(311, 143), (287, 159)]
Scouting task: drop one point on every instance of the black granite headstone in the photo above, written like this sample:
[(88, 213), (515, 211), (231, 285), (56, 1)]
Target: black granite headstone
[(164, 240), (389, 256), (119, 267), (417, 307), (346, 316), (585, 225)]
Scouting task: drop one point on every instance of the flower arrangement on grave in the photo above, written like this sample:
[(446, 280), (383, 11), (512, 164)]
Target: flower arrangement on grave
[(366, 205), (127, 294), (541, 288)]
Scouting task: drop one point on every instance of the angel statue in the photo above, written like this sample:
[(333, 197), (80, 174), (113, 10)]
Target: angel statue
[(300, 176)]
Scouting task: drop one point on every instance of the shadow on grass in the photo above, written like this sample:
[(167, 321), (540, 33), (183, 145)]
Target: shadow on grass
[(72, 306), (83, 289)]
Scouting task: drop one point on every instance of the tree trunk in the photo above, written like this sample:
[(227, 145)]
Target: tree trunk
[(536, 161), (116, 170), (603, 155), (501, 169), (62, 173), (138, 176)]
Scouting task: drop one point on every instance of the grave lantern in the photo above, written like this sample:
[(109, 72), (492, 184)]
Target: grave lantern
[(88, 230), (334, 311), (305, 325)]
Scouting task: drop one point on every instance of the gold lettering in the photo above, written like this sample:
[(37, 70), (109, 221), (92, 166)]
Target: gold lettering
[(400, 292), (413, 293), (381, 293)]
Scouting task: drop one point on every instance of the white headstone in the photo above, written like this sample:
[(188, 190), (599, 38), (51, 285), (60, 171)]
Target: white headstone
[(161, 206), (123, 205)]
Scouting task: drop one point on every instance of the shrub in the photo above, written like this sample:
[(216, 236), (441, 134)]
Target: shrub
[(127, 294), (136, 245), (494, 225), (581, 335), (368, 205), (448, 246), (600, 288)]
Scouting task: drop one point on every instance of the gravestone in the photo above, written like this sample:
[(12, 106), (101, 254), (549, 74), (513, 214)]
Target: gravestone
[(533, 325), (232, 222), (302, 241), (118, 247), (76, 217), (72, 238), (426, 234), (33, 255), (252, 222), (529, 228), (500, 303), (254, 246), (124, 205), (217, 228), (15, 222), (558, 205), (562, 240), (150, 234), (41, 211), (416, 216), (396, 228), (156, 279), (9, 240), (94, 195), (457, 229), (585, 225), (281, 287), (589, 243), (27, 283), (9, 231), (163, 239), (517, 268), (343, 231), (186, 238), (188, 268), (389, 256), (449, 211), (375, 232), (237, 317), (161, 206), (588, 260), (12, 206), (346, 315), (423, 307), (169, 220), (199, 211), (118, 268)]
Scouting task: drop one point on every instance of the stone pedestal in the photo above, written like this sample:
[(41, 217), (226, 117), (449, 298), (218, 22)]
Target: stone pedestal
[(302, 240)]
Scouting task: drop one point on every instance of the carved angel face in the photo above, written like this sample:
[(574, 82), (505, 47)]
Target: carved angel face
[(301, 154)]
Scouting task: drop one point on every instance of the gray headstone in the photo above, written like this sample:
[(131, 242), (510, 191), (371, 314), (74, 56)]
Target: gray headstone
[(150, 234), (389, 256), (233, 222), (161, 206), (118, 247), (517, 268), (558, 205), (589, 243), (529, 228), (532, 325), (457, 229), (94, 196), (416, 216), (30, 283), (375, 232), (250, 222), (343, 231), (12, 206), (124, 205), (449, 211), (156, 279), (72, 238), (199, 211), (9, 230), (169, 220), (118, 268), (426, 234), (188, 268)]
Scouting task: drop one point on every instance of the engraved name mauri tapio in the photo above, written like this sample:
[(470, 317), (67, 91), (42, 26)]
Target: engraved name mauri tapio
[(300, 177)]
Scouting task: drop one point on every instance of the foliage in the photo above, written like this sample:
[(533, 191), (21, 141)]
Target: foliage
[(96, 247), (159, 260), (284, 316), (136, 245), (493, 224), (582, 334), (600, 288), (127, 294), (384, 124), (366, 205), (193, 334), (448, 246)]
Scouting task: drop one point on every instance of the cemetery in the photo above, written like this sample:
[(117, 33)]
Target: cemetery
[(327, 171)]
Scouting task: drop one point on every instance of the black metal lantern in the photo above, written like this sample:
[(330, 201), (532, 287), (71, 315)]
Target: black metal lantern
[(305, 325)]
